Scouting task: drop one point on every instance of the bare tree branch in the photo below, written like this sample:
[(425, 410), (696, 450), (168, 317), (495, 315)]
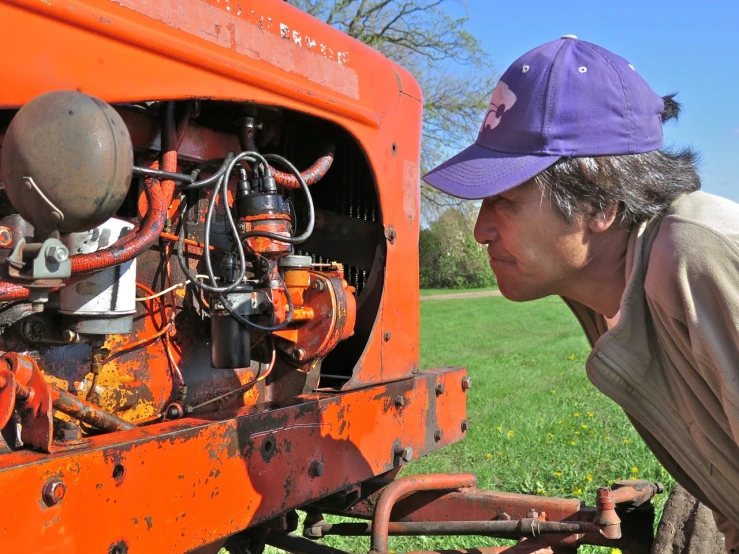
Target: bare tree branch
[(450, 66)]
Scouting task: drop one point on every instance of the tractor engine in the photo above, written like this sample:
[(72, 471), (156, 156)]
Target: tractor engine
[(124, 334)]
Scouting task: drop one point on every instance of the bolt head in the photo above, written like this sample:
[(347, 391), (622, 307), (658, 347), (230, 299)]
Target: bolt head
[(406, 454), (467, 383), (440, 388), (318, 286), (316, 469), (54, 492), (400, 401), (438, 435), (56, 254)]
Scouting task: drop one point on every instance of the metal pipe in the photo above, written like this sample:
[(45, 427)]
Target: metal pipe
[(86, 412), (161, 174), (406, 485), (298, 545), (528, 527)]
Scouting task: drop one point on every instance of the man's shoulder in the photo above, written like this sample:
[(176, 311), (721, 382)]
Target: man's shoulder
[(698, 237), (714, 213)]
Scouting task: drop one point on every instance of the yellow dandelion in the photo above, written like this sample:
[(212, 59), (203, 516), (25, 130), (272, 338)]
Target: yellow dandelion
[(499, 428), (576, 414), (553, 391), (510, 434), (627, 441), (615, 551), (589, 414), (500, 454), (577, 432), (488, 455), (572, 443), (588, 477), (558, 474), (550, 435), (608, 437), (539, 491), (571, 357), (577, 491), (560, 422), (584, 426), (634, 469)]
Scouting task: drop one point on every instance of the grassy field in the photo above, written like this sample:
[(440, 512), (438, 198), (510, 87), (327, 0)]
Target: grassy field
[(431, 292), (537, 425)]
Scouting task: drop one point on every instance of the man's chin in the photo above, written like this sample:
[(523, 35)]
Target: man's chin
[(517, 293)]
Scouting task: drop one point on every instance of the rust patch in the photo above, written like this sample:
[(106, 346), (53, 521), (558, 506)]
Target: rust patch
[(313, 61), (149, 522)]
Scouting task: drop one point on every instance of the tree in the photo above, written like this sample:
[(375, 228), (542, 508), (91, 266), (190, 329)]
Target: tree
[(449, 256), (447, 61)]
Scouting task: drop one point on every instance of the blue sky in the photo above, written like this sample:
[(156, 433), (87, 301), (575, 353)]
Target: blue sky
[(686, 47)]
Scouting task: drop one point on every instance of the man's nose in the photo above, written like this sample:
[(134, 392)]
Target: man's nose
[(486, 229)]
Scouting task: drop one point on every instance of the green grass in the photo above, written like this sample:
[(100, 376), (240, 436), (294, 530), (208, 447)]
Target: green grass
[(537, 425), (429, 292)]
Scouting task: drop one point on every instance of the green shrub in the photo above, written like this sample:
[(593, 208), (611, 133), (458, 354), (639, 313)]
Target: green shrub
[(450, 257)]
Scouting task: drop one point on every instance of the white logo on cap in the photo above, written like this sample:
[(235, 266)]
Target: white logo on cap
[(502, 101)]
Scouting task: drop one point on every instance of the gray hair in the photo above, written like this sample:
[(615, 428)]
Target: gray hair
[(642, 186)]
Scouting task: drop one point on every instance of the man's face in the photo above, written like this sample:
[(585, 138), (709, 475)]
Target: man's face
[(533, 251)]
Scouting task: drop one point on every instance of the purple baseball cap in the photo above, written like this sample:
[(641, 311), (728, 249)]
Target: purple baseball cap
[(566, 98)]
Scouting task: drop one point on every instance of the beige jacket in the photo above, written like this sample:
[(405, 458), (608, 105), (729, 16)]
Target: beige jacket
[(672, 360)]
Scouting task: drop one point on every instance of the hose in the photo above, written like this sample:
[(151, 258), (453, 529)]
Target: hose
[(159, 196), (312, 175)]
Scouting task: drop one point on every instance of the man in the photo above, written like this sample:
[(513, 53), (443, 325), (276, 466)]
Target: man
[(578, 200)]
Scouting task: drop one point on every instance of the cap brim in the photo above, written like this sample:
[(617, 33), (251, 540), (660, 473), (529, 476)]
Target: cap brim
[(477, 172)]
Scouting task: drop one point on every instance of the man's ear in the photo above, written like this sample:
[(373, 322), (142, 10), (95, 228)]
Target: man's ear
[(603, 220)]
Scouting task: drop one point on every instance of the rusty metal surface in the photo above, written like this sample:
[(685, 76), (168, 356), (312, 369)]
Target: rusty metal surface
[(86, 412), (406, 485), (147, 486)]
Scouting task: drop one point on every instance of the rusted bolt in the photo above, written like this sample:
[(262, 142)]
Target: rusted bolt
[(390, 234), (175, 411), (54, 492), (69, 336), (467, 383), (440, 388), (502, 516), (532, 513), (387, 336), (316, 469), (465, 425), (298, 354), (406, 454), (400, 401), (6, 237), (318, 286), (438, 435), (67, 431)]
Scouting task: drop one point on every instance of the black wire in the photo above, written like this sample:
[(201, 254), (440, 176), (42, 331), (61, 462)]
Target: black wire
[(311, 211), (213, 178)]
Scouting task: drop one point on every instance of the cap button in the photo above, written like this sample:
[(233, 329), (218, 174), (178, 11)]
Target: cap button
[(569, 36)]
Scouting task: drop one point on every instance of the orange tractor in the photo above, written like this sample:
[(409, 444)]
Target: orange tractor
[(209, 310)]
